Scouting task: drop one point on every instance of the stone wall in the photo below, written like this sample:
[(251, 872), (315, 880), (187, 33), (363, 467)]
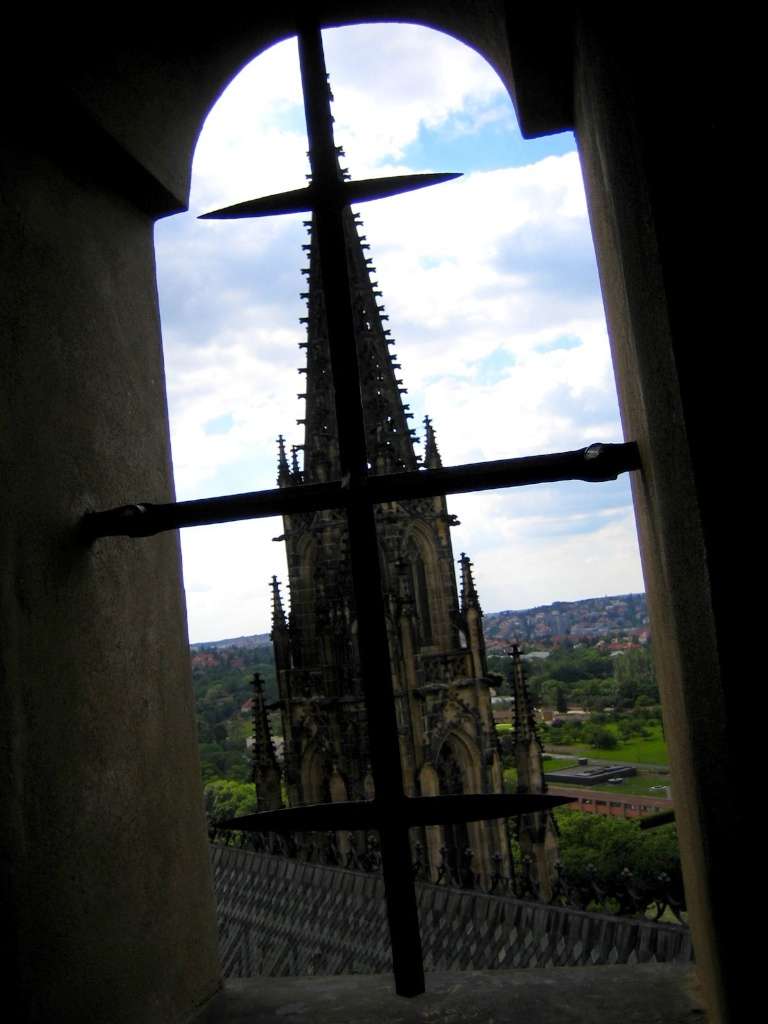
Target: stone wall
[(279, 916)]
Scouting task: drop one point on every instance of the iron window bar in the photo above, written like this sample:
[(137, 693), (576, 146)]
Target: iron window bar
[(391, 811), (358, 815), (595, 464)]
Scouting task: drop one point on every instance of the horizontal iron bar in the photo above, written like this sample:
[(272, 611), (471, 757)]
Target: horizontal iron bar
[(340, 193), (146, 519), (420, 810), (594, 464)]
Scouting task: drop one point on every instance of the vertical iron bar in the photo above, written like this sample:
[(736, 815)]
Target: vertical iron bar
[(373, 642)]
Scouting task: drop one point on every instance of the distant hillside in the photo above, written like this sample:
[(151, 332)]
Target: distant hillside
[(248, 642), (222, 669), (591, 618)]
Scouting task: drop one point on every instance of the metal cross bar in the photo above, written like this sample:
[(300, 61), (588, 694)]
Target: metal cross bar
[(596, 463), (303, 200), (421, 810), (373, 642)]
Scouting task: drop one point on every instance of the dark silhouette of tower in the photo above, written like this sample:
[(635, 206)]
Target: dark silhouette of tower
[(447, 736)]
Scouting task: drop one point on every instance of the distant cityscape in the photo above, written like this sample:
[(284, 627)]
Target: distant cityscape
[(592, 618)]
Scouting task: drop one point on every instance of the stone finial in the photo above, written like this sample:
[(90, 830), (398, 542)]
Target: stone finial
[(525, 723), (264, 767), (283, 469), (469, 598), (432, 458), (278, 612), (295, 468)]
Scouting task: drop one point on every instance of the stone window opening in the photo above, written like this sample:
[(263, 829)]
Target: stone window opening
[(618, 237), (596, 463)]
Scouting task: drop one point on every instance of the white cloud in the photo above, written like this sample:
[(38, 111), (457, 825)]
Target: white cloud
[(245, 149), (239, 382), (491, 289), (582, 555), (412, 79), (227, 569)]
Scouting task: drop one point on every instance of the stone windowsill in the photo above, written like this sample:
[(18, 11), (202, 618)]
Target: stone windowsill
[(625, 994)]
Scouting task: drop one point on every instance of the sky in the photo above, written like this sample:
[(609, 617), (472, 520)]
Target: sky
[(493, 298)]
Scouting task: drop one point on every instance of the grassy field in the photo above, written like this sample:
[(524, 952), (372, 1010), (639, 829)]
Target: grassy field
[(551, 764), (652, 750)]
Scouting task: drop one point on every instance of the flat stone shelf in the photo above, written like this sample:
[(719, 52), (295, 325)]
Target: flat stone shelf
[(625, 994)]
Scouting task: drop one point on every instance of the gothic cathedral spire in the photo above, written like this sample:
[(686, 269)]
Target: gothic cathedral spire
[(448, 740), (389, 437)]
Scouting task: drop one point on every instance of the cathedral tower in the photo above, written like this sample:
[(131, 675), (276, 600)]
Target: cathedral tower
[(447, 736)]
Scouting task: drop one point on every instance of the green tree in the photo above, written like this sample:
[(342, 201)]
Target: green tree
[(602, 737), (226, 798), (548, 690), (610, 845), (634, 676)]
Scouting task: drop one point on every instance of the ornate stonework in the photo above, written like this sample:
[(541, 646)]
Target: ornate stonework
[(447, 736), (537, 832)]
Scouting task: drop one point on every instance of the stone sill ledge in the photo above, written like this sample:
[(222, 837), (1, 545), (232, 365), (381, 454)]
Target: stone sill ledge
[(625, 994)]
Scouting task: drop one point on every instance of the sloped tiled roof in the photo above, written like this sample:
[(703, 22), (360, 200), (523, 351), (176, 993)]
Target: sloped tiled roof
[(279, 916)]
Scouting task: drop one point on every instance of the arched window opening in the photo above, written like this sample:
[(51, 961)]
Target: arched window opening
[(420, 592), (489, 282), (452, 782), (449, 771), (489, 389)]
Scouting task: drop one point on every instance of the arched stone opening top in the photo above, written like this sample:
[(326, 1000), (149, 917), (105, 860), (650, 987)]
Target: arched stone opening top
[(141, 102)]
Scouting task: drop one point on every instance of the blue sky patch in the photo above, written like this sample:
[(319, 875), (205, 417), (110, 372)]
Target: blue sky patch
[(489, 369), (555, 258), (489, 148), (220, 424), (563, 343)]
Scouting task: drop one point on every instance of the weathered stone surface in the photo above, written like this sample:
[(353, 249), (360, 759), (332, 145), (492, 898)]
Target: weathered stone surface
[(644, 994), (105, 876)]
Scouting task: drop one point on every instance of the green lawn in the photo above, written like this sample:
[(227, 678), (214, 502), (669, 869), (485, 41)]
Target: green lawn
[(652, 750), (551, 764)]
